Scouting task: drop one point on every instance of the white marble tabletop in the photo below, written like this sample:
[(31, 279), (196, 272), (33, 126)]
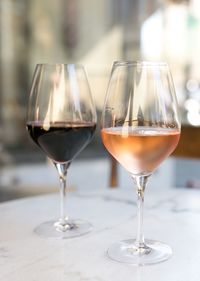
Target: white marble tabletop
[(171, 216)]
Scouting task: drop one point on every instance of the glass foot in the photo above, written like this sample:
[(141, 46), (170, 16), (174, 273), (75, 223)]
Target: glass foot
[(56, 229), (151, 253)]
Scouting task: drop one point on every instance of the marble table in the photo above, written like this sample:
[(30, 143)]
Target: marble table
[(171, 215)]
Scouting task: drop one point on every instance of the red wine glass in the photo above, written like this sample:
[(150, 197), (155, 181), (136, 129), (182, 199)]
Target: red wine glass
[(61, 120), (140, 128)]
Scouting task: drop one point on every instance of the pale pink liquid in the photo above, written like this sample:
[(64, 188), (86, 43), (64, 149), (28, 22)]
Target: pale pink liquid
[(140, 150)]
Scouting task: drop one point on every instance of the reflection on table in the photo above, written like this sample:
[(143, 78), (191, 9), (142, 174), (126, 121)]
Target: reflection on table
[(171, 215)]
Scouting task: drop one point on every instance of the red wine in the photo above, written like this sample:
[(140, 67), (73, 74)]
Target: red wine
[(61, 141)]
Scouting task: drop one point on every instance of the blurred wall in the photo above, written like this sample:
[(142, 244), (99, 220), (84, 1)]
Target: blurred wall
[(94, 33)]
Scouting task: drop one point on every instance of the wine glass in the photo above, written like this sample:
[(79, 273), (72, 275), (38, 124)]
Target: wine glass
[(140, 128), (61, 120)]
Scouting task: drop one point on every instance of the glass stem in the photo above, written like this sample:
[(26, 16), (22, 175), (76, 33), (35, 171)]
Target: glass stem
[(141, 182), (62, 171)]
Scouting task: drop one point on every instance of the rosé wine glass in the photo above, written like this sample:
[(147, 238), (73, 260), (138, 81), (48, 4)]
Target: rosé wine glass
[(140, 128), (61, 120)]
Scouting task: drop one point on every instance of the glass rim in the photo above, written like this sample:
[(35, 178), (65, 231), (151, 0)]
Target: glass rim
[(140, 63), (52, 64)]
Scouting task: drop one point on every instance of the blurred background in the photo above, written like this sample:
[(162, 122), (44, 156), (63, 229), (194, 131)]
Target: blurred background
[(94, 33)]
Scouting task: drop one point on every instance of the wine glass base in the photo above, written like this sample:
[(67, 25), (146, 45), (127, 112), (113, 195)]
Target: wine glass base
[(77, 228), (127, 252)]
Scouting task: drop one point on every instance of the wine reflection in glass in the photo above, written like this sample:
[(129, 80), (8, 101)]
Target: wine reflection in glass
[(140, 128), (61, 120)]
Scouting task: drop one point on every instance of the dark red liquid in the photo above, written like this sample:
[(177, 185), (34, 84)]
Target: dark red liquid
[(60, 141)]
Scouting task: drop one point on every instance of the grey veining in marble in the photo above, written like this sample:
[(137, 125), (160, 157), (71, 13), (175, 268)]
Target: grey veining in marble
[(171, 215)]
